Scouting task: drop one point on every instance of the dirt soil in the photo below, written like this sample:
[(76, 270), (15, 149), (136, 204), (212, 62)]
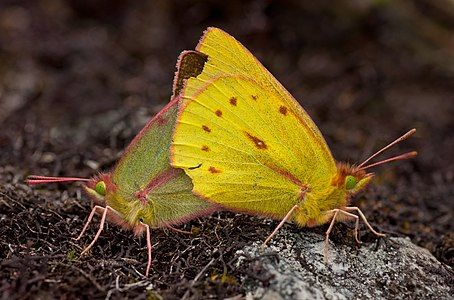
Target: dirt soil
[(78, 79)]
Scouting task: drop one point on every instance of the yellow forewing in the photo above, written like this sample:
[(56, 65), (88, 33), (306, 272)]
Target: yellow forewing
[(242, 138), (227, 56)]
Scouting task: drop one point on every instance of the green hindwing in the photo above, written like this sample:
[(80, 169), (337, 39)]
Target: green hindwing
[(146, 187)]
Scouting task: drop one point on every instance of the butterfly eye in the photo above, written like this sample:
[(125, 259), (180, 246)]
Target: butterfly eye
[(350, 182), (100, 188)]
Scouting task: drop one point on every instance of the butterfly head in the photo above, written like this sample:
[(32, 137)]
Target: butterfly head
[(351, 178), (355, 178), (98, 188)]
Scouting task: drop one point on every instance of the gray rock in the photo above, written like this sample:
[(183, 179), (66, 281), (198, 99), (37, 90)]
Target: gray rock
[(395, 268)]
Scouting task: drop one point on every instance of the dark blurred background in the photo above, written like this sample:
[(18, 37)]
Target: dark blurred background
[(78, 79)]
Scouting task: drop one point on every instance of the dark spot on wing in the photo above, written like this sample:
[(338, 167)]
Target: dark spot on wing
[(213, 170), (205, 148), (195, 167), (218, 113), (206, 128), (254, 97), (233, 101), (260, 144), (283, 110)]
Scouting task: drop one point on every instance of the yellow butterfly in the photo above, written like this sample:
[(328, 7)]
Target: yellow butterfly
[(249, 146)]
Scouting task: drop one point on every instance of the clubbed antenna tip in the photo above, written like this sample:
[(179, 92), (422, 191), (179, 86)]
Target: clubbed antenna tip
[(408, 155)]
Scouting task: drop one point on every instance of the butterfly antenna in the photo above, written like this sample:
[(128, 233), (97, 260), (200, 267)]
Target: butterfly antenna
[(407, 155), (402, 138), (35, 179)]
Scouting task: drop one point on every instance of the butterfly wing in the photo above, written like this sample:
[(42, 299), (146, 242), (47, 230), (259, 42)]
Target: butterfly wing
[(227, 56), (254, 144), (190, 64), (144, 171)]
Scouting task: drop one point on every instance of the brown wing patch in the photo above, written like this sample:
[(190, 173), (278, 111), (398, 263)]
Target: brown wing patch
[(218, 113), (254, 97), (206, 128), (283, 110), (233, 101), (213, 170), (260, 144), (287, 175), (205, 148)]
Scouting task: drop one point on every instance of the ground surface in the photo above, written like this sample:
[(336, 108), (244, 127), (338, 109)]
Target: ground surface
[(78, 79)]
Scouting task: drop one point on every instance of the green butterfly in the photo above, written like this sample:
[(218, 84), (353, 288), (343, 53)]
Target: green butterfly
[(143, 191)]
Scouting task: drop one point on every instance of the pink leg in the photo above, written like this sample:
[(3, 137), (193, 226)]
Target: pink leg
[(147, 230), (365, 220), (178, 230), (90, 217), (330, 228), (356, 228), (101, 227), (356, 224), (287, 216)]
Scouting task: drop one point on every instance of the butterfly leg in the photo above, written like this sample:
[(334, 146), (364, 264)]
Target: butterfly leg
[(90, 217), (178, 230), (101, 227), (330, 228), (356, 230), (365, 220), (148, 236), (287, 216), (331, 225)]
